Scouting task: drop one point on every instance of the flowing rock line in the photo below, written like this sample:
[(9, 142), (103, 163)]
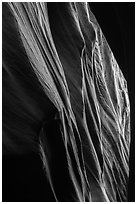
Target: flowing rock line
[(79, 113)]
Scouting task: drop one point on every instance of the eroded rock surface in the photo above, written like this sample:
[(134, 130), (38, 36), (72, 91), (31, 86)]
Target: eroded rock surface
[(66, 98)]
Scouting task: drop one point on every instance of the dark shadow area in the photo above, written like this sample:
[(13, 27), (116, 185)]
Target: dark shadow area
[(23, 180)]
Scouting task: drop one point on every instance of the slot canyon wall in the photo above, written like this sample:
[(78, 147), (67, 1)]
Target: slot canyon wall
[(66, 109)]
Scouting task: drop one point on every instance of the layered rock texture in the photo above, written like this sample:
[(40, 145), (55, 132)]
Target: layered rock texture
[(66, 100)]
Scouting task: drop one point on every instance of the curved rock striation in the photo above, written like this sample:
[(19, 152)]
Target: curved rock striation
[(66, 99)]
